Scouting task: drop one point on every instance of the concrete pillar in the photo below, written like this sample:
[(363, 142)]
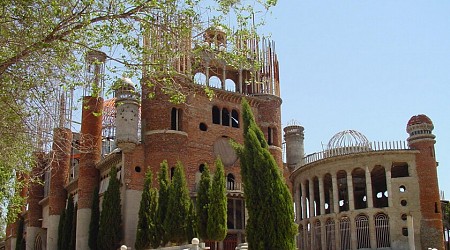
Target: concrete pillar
[(131, 206), (91, 131), (373, 240), (312, 210), (369, 194), (61, 148), (354, 238), (30, 237), (351, 198), (304, 214), (296, 192), (389, 187), (335, 193), (321, 196), (410, 222)]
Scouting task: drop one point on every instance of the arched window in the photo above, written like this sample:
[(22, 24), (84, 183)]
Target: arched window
[(317, 236), (379, 187), (215, 82), (230, 182), (215, 115), (230, 85), (362, 231), (301, 238), (234, 119), (175, 119), (382, 230), (328, 193), (172, 172), (330, 239), (342, 191), (316, 197), (225, 117), (345, 233), (38, 243), (200, 78), (359, 188), (270, 132)]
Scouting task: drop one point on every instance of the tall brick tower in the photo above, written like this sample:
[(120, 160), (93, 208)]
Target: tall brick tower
[(421, 138), (90, 145)]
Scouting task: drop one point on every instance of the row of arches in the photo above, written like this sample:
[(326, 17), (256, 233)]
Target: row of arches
[(362, 233), (215, 82), (347, 190)]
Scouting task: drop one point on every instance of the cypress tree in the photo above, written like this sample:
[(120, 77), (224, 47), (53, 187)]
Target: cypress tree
[(178, 207), (270, 223), (110, 233), (217, 212), (73, 233), (67, 226), (61, 229), (163, 201), (95, 217), (203, 203), (146, 235), (191, 230)]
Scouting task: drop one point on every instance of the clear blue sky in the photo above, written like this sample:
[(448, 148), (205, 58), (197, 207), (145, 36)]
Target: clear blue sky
[(367, 66)]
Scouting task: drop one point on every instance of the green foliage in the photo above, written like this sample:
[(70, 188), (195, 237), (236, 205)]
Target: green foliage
[(65, 238), (163, 202), (110, 229), (61, 229), (147, 234), (95, 218), (270, 223), (191, 223), (217, 213), (20, 241), (178, 207), (203, 203)]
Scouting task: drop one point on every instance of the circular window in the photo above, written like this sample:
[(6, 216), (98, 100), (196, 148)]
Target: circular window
[(402, 189), (137, 169), (404, 217), (202, 126), (223, 149), (404, 202)]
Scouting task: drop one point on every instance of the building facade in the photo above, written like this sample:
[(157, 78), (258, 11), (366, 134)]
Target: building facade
[(361, 195)]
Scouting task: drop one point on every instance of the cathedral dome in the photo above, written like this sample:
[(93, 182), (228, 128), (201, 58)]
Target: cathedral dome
[(348, 138)]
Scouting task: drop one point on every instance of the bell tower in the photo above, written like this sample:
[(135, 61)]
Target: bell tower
[(421, 138)]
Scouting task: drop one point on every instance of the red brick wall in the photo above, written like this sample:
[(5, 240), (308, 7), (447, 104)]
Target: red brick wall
[(91, 131), (36, 193)]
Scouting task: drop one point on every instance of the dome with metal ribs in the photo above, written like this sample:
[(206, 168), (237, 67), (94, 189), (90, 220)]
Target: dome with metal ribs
[(348, 138)]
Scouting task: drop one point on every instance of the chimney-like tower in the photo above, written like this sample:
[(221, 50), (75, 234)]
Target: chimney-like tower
[(127, 116), (90, 144), (295, 151), (421, 138)]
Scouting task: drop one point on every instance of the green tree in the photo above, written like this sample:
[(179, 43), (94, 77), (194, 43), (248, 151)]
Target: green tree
[(163, 201), (73, 230), (20, 241), (64, 238), (178, 207), (95, 218), (110, 229), (217, 212), (147, 235), (270, 223), (191, 231), (203, 201)]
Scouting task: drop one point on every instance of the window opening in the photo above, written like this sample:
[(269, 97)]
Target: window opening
[(328, 193), (329, 235), (402, 189), (172, 172), (382, 230), (234, 119), (202, 126), (317, 235), (359, 188), (362, 231), (342, 191), (215, 82), (379, 186), (345, 233), (230, 182), (225, 117), (215, 115), (399, 170), (175, 119), (404, 203), (230, 85), (270, 136), (200, 78), (201, 168)]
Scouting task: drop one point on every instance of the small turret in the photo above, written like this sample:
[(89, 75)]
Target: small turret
[(295, 151), (419, 128), (127, 117)]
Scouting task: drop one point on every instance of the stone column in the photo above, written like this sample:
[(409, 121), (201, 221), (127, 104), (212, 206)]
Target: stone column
[(369, 189), (298, 212), (311, 199), (335, 194), (351, 197), (373, 240), (389, 187), (304, 215), (321, 196)]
